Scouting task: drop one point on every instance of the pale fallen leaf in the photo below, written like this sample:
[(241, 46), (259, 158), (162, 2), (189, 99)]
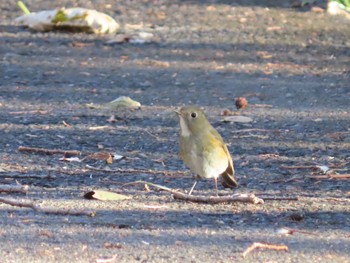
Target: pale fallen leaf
[(122, 102), (70, 18), (106, 260), (141, 38), (96, 128), (323, 168), (105, 196), (70, 159), (283, 231), (241, 119), (156, 206), (118, 157)]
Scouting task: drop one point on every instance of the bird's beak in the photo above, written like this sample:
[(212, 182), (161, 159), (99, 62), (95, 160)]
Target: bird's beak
[(177, 112)]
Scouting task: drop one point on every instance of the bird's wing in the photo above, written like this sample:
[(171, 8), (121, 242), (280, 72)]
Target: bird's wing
[(228, 175)]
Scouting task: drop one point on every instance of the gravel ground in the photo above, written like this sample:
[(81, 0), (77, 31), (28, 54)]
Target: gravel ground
[(293, 67)]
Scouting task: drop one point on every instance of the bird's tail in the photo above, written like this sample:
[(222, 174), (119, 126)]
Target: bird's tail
[(229, 180)]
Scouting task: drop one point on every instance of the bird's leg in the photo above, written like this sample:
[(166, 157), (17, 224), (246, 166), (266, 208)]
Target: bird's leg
[(216, 185), (192, 188)]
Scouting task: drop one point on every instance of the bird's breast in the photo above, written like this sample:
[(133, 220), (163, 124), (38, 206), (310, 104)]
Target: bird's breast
[(207, 163)]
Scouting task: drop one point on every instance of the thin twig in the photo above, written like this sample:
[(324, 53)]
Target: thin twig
[(299, 167), (256, 245), (106, 260), (161, 187), (246, 198), (291, 231), (330, 176), (47, 151), (38, 176), (254, 130), (45, 210), (141, 171), (280, 198), (14, 188), (260, 105), (30, 112)]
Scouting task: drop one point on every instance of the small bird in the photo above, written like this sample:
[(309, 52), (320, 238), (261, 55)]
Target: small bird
[(202, 148)]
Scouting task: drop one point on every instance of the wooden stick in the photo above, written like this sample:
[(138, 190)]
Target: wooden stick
[(250, 198), (330, 176), (255, 130), (47, 151), (38, 176), (299, 167), (14, 188), (247, 198), (55, 211), (256, 245), (30, 112), (280, 198), (261, 105), (291, 231), (137, 171)]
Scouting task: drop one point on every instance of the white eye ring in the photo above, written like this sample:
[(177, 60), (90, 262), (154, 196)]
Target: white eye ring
[(194, 114)]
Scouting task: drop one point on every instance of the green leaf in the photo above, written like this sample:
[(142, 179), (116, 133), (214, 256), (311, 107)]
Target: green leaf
[(23, 7), (105, 196), (123, 102)]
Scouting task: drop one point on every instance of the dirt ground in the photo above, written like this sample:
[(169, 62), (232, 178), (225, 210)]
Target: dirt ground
[(291, 64)]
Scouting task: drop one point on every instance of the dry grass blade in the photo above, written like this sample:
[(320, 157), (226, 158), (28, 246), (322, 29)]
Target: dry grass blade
[(256, 245)]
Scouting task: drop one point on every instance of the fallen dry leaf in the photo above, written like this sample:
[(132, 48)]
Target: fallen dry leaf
[(106, 156), (75, 19), (239, 119), (70, 159), (122, 102), (106, 260), (105, 196)]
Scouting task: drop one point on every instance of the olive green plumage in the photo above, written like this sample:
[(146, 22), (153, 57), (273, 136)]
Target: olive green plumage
[(202, 148)]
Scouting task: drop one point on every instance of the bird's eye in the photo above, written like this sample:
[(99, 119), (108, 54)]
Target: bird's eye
[(194, 114)]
